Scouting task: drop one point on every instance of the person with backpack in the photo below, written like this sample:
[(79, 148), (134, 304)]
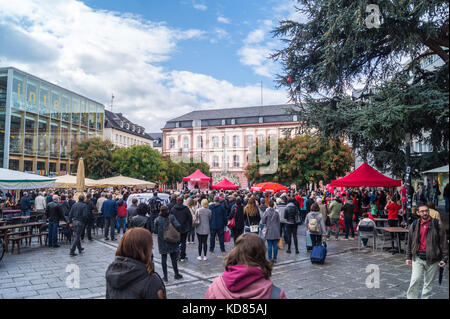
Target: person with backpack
[(154, 204), (184, 217), (316, 225), (132, 274), (237, 212), (141, 220), (348, 210), (167, 248), (426, 251), (366, 228), (271, 230), (247, 273)]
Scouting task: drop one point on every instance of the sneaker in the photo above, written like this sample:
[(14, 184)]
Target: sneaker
[(199, 258), (274, 261), (297, 252), (288, 251), (81, 250), (106, 238), (182, 260), (56, 246), (178, 276), (205, 258), (73, 254), (345, 239), (165, 279)]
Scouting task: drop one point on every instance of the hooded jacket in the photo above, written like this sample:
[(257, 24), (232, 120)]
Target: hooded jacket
[(218, 216), (183, 216), (241, 282), (335, 208), (127, 278)]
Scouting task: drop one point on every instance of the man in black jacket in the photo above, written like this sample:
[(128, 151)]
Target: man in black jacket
[(348, 209), (184, 217), (78, 217), (90, 220), (140, 220), (54, 214)]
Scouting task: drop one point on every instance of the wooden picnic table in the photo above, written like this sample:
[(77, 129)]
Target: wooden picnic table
[(5, 229), (397, 231)]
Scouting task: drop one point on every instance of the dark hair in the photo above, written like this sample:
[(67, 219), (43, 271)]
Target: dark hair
[(134, 201), (315, 207), (365, 215), (164, 211), (180, 200), (431, 205), (271, 203), (141, 209), (88, 196), (238, 201), (63, 197), (155, 193), (81, 198), (137, 244), (249, 250)]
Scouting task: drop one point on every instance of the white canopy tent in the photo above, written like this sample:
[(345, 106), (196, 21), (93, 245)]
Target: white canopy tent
[(14, 180)]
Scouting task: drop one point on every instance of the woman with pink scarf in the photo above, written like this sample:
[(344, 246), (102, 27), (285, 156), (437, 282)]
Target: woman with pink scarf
[(247, 273)]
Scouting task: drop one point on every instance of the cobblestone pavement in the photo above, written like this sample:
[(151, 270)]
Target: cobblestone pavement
[(40, 272)]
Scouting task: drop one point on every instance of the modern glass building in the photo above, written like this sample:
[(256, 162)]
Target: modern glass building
[(40, 123)]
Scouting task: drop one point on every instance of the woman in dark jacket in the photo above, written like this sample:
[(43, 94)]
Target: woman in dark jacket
[(238, 211), (90, 217), (132, 275), (251, 214), (165, 248)]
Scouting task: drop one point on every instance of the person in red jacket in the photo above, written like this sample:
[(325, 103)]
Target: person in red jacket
[(121, 216), (392, 208)]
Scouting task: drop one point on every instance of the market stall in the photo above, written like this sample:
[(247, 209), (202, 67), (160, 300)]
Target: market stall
[(225, 184), (198, 181)]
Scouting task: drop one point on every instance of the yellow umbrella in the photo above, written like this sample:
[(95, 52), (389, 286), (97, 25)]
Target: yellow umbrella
[(70, 181)]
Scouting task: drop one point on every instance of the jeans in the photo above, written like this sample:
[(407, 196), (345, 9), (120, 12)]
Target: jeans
[(26, 212), (52, 234), (349, 226), (121, 222), (202, 243), (421, 271), (334, 221), (182, 245), (447, 204), (427, 196), (212, 239), (283, 232), (78, 229), (302, 216), (272, 246), (292, 233), (191, 235), (316, 240), (109, 226), (436, 199), (173, 258)]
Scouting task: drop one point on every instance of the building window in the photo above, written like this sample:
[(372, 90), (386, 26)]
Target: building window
[(216, 161), (226, 141), (172, 143), (261, 138), (233, 121), (134, 128), (223, 122), (261, 120), (121, 124), (200, 142), (235, 161), (177, 124), (186, 142), (235, 141), (250, 140), (295, 118), (215, 141)]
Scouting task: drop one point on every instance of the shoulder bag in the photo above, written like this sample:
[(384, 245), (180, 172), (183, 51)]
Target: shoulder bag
[(171, 235)]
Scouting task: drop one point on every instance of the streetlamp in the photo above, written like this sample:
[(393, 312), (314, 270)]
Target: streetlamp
[(408, 178)]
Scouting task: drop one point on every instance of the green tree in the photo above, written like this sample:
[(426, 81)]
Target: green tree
[(97, 157), (138, 161), (325, 56), (306, 159)]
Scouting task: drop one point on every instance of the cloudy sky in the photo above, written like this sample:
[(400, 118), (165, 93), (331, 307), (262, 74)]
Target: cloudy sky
[(160, 59)]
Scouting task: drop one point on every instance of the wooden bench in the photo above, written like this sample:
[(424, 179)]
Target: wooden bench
[(18, 240)]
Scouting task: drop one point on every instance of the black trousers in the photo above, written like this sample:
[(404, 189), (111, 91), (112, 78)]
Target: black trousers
[(292, 232), (316, 240), (237, 233), (87, 229), (393, 223), (173, 258), (202, 243), (182, 245), (78, 228)]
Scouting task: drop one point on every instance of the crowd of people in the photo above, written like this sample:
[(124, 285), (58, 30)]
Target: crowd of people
[(253, 219)]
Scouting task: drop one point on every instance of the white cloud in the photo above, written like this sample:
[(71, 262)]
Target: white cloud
[(97, 52), (200, 7), (222, 19)]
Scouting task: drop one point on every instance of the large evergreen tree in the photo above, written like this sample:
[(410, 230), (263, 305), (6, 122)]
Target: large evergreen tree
[(335, 49)]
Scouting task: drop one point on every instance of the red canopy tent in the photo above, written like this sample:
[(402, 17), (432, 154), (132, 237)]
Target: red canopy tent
[(270, 187), (198, 178), (225, 184), (366, 176)]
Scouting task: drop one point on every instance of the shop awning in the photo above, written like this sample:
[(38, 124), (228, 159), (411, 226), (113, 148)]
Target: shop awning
[(13, 180)]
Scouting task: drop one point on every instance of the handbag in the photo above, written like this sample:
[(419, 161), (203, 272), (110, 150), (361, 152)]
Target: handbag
[(196, 221), (251, 228), (280, 244), (171, 235), (226, 236), (232, 221)]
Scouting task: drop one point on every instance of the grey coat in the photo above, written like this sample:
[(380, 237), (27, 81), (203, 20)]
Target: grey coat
[(205, 217), (271, 220), (161, 224), (319, 217)]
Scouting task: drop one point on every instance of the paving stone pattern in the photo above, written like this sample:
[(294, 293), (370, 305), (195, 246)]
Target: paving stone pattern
[(40, 272)]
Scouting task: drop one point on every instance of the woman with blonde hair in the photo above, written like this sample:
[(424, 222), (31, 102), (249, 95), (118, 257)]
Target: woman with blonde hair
[(201, 221), (251, 216), (132, 274)]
